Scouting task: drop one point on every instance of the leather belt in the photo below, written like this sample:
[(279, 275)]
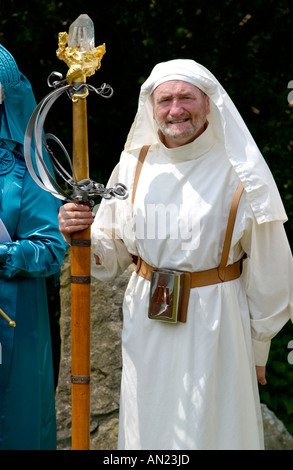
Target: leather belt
[(201, 278)]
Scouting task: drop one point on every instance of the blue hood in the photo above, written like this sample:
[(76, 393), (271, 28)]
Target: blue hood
[(19, 101)]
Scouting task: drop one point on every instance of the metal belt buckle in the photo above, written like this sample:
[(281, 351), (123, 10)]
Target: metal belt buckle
[(165, 293)]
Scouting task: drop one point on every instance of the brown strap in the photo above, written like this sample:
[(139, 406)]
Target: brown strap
[(223, 272), (142, 155), (229, 230), (197, 279)]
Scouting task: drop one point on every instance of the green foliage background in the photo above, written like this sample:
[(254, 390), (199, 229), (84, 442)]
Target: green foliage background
[(246, 44)]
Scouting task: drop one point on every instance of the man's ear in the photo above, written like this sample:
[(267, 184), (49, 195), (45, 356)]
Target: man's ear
[(152, 103), (208, 104)]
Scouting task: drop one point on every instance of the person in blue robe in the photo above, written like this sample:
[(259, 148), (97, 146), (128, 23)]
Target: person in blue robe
[(31, 250)]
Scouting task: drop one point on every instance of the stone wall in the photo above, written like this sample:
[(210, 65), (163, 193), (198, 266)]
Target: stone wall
[(106, 325)]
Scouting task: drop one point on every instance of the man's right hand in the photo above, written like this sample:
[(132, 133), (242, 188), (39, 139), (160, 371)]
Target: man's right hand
[(74, 218)]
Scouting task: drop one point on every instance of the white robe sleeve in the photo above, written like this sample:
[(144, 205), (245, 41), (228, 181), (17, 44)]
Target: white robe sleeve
[(268, 276), (107, 237)]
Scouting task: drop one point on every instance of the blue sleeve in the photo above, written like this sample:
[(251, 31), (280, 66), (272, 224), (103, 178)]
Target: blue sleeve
[(38, 249)]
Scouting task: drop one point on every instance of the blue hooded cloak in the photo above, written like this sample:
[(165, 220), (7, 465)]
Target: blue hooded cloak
[(35, 251)]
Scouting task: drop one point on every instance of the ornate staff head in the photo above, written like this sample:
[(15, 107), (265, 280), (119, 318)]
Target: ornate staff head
[(83, 59)]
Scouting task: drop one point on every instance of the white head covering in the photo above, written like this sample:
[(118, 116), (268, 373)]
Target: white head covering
[(228, 126)]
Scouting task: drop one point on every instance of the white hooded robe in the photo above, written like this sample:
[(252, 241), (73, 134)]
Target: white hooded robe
[(192, 386)]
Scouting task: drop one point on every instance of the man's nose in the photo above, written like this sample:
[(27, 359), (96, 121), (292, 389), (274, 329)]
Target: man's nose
[(176, 108)]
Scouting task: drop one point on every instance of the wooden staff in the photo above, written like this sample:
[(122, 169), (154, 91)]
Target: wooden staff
[(80, 294), (83, 59)]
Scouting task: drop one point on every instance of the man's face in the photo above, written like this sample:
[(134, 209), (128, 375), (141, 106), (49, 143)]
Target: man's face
[(180, 110)]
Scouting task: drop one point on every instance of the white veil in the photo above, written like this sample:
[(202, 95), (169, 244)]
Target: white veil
[(228, 126)]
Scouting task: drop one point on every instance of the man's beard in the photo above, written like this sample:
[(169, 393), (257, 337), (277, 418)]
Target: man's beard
[(192, 129)]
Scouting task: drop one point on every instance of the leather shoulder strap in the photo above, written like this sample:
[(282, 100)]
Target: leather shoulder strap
[(229, 230), (231, 219), (141, 158)]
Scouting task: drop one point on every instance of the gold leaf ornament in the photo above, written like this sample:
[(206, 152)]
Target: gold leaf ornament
[(81, 64)]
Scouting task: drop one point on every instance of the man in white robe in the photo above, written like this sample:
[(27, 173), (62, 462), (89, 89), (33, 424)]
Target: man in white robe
[(193, 385)]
